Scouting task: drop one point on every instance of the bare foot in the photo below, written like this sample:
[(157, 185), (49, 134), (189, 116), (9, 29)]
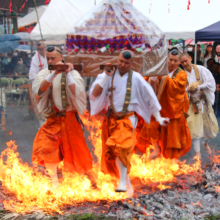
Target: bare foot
[(198, 156), (207, 148)]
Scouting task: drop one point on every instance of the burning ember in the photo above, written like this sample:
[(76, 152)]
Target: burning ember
[(30, 188)]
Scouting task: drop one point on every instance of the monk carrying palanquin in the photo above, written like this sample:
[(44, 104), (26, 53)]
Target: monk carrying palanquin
[(122, 92), (61, 96)]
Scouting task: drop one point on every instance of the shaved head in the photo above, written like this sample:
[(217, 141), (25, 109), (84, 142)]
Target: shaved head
[(127, 54), (41, 48), (41, 43), (58, 51), (54, 55), (186, 61), (125, 61), (185, 54)]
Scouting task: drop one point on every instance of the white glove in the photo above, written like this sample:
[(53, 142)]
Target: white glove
[(50, 77), (104, 80), (70, 80), (160, 119), (153, 79)]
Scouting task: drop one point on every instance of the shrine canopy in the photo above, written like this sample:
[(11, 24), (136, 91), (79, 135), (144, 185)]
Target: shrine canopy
[(210, 33), (115, 25), (59, 18), (173, 18)]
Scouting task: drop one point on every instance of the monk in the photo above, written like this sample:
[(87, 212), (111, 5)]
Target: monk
[(61, 97), (174, 140), (122, 92), (201, 92)]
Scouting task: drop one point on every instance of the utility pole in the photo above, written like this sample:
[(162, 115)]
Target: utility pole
[(4, 20)]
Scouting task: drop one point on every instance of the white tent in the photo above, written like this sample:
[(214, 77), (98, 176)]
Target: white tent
[(180, 23), (59, 17), (31, 17)]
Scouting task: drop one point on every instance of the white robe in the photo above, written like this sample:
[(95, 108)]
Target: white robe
[(195, 121), (207, 80), (143, 99), (35, 66), (76, 102)]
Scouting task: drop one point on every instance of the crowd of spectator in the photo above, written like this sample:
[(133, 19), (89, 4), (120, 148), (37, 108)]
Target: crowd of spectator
[(15, 64)]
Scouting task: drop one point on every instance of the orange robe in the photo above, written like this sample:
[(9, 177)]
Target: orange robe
[(118, 140), (62, 138), (174, 140)]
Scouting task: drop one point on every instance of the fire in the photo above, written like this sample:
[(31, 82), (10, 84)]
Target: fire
[(33, 189)]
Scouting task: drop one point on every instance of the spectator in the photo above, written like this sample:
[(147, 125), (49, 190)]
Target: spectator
[(215, 71), (190, 48), (209, 53), (9, 66), (200, 55), (217, 53), (4, 61), (14, 60), (26, 60), (20, 70), (210, 61), (191, 54)]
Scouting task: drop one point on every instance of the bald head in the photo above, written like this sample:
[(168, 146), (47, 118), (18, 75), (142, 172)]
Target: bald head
[(54, 55), (41, 48), (184, 54), (125, 61), (58, 51), (127, 54), (186, 61)]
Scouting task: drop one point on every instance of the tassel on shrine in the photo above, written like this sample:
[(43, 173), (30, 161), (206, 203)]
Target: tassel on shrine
[(10, 5), (188, 4), (23, 5)]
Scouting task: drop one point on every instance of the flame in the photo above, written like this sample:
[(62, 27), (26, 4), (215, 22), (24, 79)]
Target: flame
[(217, 189), (32, 189)]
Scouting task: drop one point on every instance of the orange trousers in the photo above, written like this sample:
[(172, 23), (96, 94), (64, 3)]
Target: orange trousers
[(62, 138), (147, 134), (174, 140), (118, 140)]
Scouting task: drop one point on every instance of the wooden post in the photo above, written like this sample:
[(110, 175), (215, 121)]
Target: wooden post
[(3, 120)]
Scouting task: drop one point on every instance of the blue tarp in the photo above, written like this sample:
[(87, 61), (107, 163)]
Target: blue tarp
[(210, 33)]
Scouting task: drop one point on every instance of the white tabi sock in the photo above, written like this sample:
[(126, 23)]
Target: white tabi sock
[(123, 176)]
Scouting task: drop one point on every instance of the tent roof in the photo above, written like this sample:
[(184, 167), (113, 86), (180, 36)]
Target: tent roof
[(31, 17), (180, 22), (210, 33), (59, 17)]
